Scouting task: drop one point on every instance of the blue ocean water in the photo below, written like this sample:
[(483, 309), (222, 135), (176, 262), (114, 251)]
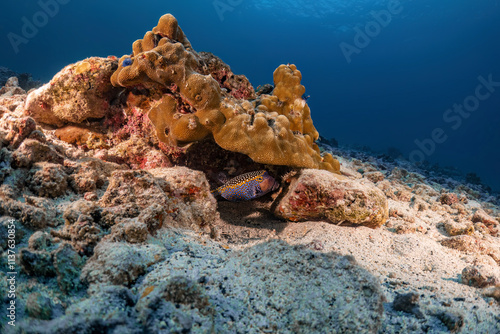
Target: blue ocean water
[(421, 76)]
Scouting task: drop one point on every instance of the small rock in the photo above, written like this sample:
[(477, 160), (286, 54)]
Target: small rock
[(451, 320), (482, 217), (84, 234), (419, 204), (91, 174), (67, 264), (29, 215), (79, 135), (136, 186), (48, 180), (18, 129), (129, 230), (374, 176), (154, 216), (83, 225), (215, 232), (449, 198), (403, 195), (110, 216), (12, 82), (90, 196), (181, 290), (32, 151), (39, 306), (455, 228), (480, 276), (493, 292), (316, 245), (119, 263), (36, 263), (40, 241), (12, 88), (461, 209), (81, 207), (492, 225), (470, 244), (38, 135), (136, 232), (408, 303)]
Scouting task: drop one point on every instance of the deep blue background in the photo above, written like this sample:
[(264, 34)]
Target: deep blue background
[(392, 93)]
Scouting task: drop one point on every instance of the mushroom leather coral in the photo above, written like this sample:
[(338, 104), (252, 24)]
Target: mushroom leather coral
[(274, 129)]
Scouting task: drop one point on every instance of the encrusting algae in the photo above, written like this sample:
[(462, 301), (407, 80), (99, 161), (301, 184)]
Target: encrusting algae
[(274, 129)]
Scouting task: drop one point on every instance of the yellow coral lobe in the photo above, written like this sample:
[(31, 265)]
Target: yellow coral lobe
[(274, 129)]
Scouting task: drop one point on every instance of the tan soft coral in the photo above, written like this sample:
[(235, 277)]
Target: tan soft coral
[(274, 129)]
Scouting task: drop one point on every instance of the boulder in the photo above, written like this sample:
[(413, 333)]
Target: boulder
[(321, 195)]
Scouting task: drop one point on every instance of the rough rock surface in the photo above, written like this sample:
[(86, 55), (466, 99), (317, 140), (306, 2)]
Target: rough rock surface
[(183, 194), (481, 275), (320, 195), (120, 263), (78, 92)]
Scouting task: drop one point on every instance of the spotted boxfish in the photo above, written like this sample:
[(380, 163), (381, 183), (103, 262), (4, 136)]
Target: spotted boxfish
[(247, 186)]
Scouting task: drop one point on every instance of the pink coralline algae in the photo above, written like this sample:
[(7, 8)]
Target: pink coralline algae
[(320, 195)]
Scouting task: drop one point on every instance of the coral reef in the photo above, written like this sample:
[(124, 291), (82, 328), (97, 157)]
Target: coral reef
[(102, 247), (274, 129), (114, 234)]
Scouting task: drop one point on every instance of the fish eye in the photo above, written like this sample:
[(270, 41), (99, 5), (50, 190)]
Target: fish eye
[(127, 62)]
